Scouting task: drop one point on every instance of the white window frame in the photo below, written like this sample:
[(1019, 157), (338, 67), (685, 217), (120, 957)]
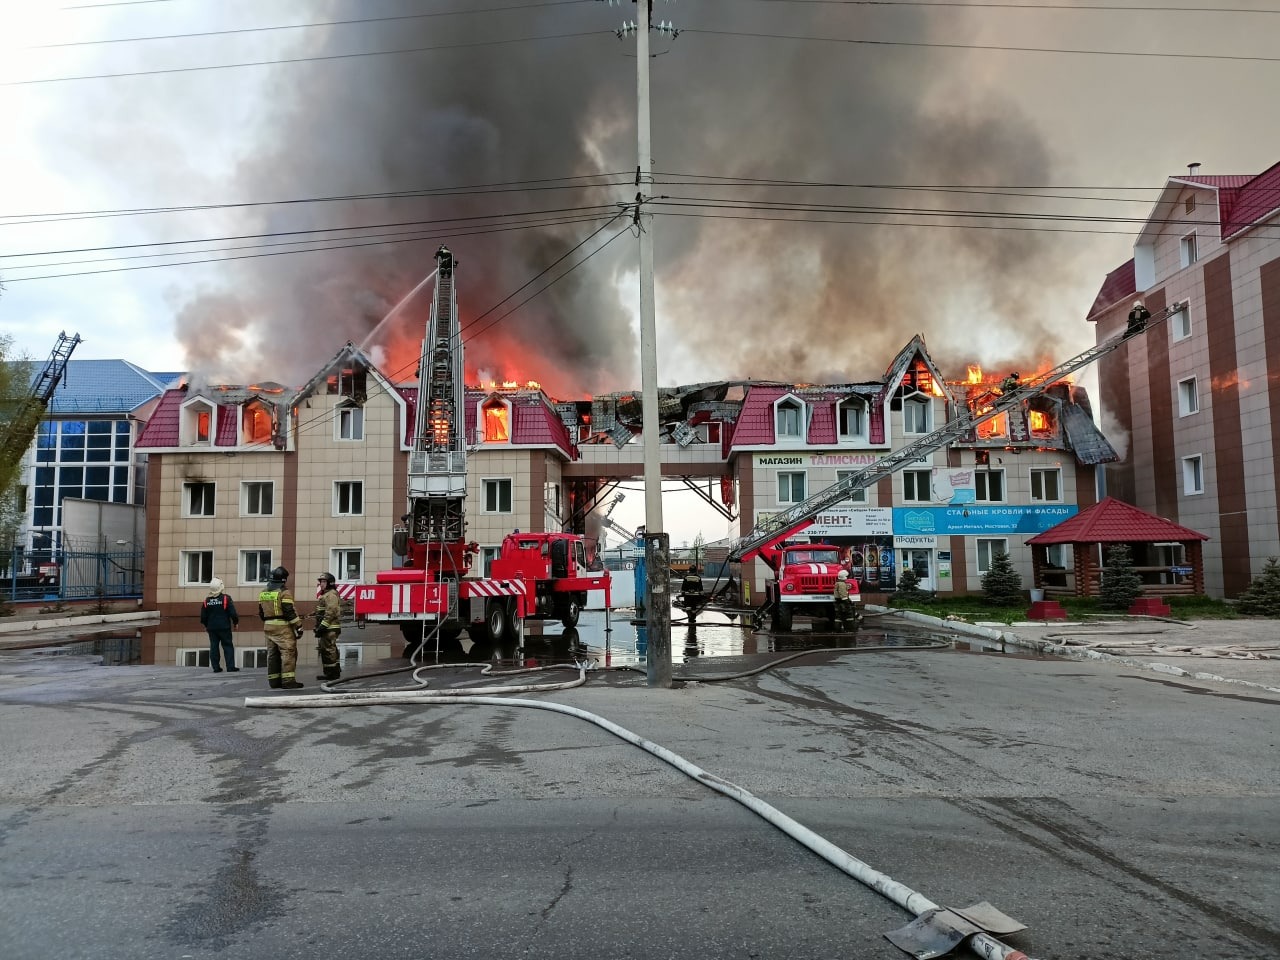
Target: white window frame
[(919, 479), (982, 485), (352, 486), (858, 496), (987, 545), (189, 431), (1180, 322), (925, 405), (1189, 249), (1188, 396), (242, 560), (339, 560), (495, 484), (351, 654), (188, 492), (1193, 475), (348, 424), (192, 657), (791, 476), (252, 658), (246, 498), (790, 404), (184, 561), (1037, 478), (864, 418)]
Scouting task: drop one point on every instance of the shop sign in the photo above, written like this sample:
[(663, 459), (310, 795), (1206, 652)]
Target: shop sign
[(978, 520), (842, 522), (910, 541)]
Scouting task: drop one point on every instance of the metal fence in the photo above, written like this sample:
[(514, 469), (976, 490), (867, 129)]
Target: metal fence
[(72, 574)]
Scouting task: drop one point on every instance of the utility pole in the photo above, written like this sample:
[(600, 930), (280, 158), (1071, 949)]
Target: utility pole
[(656, 541)]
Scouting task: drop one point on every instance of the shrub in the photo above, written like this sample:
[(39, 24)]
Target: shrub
[(909, 588), (1121, 584), (1002, 585), (1262, 597)]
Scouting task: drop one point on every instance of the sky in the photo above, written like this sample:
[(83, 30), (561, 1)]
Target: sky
[(832, 179)]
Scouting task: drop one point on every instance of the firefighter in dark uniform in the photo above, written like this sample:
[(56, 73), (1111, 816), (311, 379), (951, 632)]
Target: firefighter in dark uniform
[(1138, 318), (283, 627), (328, 626)]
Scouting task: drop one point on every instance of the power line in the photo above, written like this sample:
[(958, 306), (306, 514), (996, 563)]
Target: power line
[(511, 186), (301, 26), (328, 56), (985, 46)]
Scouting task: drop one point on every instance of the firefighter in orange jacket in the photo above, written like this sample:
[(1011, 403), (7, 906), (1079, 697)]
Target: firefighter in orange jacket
[(283, 627), (328, 626)]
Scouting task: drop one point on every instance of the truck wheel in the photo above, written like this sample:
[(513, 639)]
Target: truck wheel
[(569, 610), (783, 618), (496, 623)]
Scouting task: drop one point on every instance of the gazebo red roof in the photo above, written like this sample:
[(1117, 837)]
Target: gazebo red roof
[(1114, 521)]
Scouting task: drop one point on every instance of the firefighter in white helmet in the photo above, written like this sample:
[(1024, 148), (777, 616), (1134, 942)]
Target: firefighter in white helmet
[(328, 615), (844, 611), (1138, 318)]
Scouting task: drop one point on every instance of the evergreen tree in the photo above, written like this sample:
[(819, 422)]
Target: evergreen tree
[(1121, 584), (909, 588), (1002, 585), (1262, 597)]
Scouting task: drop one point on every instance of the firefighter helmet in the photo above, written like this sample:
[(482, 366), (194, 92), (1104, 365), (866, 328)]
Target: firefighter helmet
[(279, 574), (327, 578), (842, 575)]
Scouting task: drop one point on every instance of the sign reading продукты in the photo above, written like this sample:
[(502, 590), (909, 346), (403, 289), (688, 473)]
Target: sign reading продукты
[(976, 519)]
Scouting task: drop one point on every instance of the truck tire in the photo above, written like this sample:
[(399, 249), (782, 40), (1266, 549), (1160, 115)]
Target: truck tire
[(783, 619), (569, 609), (497, 623)]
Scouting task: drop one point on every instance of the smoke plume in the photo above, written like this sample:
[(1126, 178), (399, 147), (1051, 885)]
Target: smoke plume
[(740, 293)]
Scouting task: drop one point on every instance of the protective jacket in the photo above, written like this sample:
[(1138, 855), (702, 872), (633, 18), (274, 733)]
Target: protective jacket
[(275, 605), (218, 612), (841, 590), (330, 610)]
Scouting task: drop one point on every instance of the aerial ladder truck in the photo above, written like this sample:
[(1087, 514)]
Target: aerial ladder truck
[(31, 409), (801, 585), (431, 595)]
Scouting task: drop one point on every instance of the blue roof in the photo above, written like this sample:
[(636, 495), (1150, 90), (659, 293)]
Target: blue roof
[(103, 386)]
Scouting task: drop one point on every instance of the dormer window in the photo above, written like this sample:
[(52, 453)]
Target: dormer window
[(495, 414), (199, 421), (789, 419), (851, 418), (915, 414), (255, 422)]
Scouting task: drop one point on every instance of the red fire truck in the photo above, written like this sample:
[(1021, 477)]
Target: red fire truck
[(536, 576)]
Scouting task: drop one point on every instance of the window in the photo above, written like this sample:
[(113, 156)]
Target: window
[(497, 421), (791, 486), (1188, 397), (708, 432), (350, 423), (1189, 250), (1191, 203), (989, 485), (348, 498), (198, 499), (858, 496), (251, 657), (988, 550), (1180, 323), (1046, 484), (257, 498), (198, 423), (917, 486), (487, 556), (851, 416), (196, 567), (193, 658), (1192, 475), (789, 416), (915, 416), (497, 495), (254, 565), (347, 563)]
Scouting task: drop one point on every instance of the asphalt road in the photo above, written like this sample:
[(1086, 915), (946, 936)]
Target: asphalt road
[(146, 813)]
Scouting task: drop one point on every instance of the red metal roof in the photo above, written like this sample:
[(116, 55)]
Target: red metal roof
[(1255, 200), (1114, 521), (755, 425), (161, 429), (1121, 284), (533, 422)]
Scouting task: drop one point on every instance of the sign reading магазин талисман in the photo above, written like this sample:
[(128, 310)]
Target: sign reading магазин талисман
[(977, 519)]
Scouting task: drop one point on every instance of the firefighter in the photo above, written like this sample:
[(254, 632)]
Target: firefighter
[(843, 605), (1138, 318), (283, 627), (328, 615), (1010, 383)]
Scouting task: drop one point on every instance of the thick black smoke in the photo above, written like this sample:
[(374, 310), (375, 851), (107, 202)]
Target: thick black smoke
[(736, 297)]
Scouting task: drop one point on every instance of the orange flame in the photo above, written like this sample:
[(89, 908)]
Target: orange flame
[(974, 374), (1039, 420)]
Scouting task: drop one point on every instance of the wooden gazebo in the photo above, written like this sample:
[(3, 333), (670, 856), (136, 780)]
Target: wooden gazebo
[(1153, 543)]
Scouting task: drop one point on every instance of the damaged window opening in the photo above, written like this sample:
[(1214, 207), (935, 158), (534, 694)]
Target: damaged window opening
[(257, 423), (497, 422), (348, 382)]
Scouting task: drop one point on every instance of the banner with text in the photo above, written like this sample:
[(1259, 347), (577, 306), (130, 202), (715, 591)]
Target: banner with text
[(975, 519)]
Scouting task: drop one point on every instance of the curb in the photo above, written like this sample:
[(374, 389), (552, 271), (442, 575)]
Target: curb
[(1064, 651), (27, 626)]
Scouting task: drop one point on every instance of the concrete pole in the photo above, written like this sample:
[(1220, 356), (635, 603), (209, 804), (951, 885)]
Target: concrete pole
[(658, 600)]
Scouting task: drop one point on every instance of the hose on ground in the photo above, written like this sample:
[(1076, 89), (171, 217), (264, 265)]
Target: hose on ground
[(983, 944), (717, 678)]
